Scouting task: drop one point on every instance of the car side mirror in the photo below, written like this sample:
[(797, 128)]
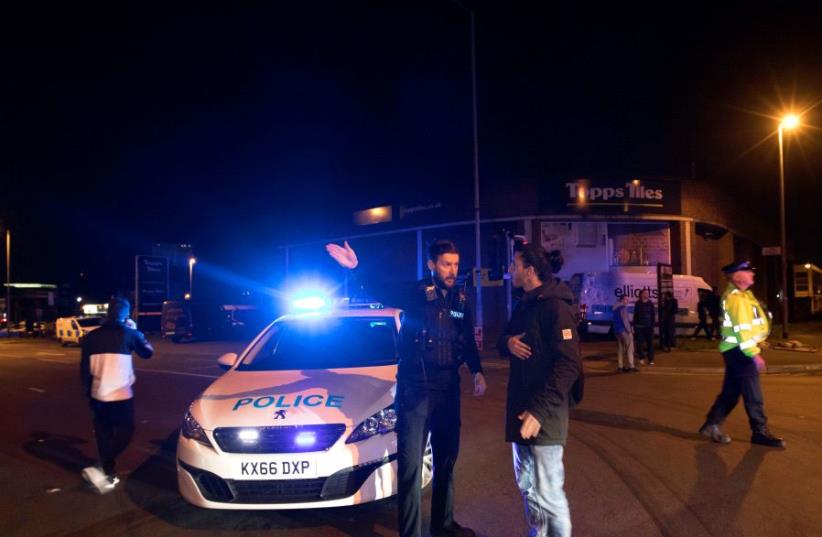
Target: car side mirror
[(227, 360)]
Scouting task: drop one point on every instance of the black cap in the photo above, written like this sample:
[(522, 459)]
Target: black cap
[(736, 266)]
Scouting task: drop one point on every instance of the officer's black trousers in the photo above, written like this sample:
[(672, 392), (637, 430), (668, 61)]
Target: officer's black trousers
[(113, 427), (741, 378), (420, 410)]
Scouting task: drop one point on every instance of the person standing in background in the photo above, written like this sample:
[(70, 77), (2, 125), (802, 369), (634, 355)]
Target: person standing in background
[(624, 334), (644, 321)]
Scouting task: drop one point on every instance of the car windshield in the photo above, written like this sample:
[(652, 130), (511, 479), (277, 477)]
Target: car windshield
[(91, 321), (324, 343)]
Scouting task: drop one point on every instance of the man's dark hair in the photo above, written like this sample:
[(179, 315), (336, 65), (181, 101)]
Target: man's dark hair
[(118, 309), (546, 264), (439, 247)]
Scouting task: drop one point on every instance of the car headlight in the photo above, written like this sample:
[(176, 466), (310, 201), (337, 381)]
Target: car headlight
[(384, 421), (192, 430)]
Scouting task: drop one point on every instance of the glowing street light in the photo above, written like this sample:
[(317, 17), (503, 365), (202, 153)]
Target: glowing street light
[(789, 122)]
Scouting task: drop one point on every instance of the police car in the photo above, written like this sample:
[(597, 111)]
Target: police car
[(303, 418), (73, 329)]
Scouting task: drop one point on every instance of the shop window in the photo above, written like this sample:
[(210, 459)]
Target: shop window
[(634, 245)]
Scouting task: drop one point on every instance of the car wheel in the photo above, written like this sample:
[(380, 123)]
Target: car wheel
[(427, 463)]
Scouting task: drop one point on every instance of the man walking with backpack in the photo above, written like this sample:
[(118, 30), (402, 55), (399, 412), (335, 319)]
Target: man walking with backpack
[(542, 344)]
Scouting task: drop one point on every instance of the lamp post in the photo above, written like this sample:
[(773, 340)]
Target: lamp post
[(478, 321), (191, 262), (8, 282), (789, 122)]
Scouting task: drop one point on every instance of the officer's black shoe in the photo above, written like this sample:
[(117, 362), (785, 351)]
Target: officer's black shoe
[(765, 438), (715, 434), (452, 530)]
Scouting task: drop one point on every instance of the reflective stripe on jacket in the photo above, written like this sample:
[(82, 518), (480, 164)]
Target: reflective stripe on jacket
[(745, 322)]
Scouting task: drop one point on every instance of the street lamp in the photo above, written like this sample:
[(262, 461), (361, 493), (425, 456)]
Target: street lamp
[(8, 282), (478, 320), (191, 262), (789, 122)]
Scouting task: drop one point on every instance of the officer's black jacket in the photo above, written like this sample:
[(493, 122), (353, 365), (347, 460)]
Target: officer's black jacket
[(542, 383), (437, 333)]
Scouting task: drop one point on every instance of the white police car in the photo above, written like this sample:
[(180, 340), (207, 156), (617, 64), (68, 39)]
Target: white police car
[(303, 418)]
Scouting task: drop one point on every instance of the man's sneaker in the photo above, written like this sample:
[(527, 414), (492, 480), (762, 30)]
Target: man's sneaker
[(765, 438), (651, 363), (94, 476), (452, 530), (715, 434), (633, 370), (642, 361), (108, 484)]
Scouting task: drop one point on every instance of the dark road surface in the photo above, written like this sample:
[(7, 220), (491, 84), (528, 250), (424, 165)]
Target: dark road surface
[(634, 464)]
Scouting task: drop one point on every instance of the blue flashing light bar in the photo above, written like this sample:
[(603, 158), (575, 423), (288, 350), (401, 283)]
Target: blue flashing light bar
[(309, 303)]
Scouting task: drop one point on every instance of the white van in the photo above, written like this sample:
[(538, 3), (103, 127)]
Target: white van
[(597, 293), (72, 329)]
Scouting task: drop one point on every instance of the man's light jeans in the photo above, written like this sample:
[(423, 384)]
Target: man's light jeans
[(540, 478), (625, 347)]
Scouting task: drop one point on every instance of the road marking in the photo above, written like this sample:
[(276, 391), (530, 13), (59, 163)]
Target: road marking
[(52, 353), (38, 390), (64, 362), (212, 366), (178, 373)]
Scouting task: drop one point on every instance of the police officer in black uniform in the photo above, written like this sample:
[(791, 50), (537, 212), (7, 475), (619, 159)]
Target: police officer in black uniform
[(435, 339)]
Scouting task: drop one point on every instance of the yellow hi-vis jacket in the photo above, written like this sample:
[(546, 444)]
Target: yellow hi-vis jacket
[(745, 322)]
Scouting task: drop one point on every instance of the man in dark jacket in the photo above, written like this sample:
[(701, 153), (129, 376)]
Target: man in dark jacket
[(542, 343), (107, 375), (436, 337), (644, 321)]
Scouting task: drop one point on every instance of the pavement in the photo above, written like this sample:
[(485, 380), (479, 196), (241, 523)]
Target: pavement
[(635, 465), (701, 356)]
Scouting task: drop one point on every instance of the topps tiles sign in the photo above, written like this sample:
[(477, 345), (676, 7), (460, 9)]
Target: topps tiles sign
[(633, 196)]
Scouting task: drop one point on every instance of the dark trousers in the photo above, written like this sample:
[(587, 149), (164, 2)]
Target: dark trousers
[(741, 378), (644, 342), (703, 325), (113, 427), (419, 411), (715, 331), (667, 331)]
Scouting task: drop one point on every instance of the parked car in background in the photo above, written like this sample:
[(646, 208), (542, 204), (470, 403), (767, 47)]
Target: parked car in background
[(70, 330), (185, 322)]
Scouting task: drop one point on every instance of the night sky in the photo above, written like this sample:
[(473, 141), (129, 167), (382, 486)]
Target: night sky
[(240, 127)]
